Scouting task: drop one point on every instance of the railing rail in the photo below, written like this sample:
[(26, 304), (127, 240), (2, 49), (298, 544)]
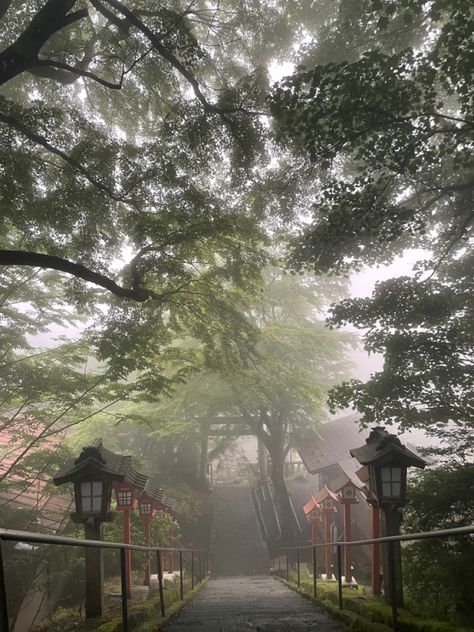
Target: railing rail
[(40, 538), (389, 540)]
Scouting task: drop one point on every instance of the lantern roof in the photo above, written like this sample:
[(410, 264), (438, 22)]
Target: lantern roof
[(98, 462), (94, 460), (383, 447), (344, 479), (324, 493), (310, 505), (160, 497)]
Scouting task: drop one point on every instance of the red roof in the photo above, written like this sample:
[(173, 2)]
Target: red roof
[(44, 511)]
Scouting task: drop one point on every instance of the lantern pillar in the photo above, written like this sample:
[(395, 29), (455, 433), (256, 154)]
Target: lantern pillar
[(94, 598), (376, 584), (387, 461), (393, 585)]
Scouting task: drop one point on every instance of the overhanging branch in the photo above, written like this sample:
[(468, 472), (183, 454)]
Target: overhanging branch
[(39, 260), (38, 139), (23, 53)]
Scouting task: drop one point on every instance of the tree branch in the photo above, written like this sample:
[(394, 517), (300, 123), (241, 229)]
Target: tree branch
[(35, 259), (23, 53), (43, 142), (42, 66), (156, 40)]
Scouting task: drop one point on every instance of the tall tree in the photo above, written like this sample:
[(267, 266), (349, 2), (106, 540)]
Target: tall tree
[(390, 130), (282, 388)]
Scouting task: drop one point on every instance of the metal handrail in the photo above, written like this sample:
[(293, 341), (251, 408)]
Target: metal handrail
[(389, 540), (424, 535), (40, 538)]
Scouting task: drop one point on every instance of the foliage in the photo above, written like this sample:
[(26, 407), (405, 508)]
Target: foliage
[(437, 571), (388, 124)]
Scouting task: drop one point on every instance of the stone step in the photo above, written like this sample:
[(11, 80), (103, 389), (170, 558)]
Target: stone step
[(264, 604)]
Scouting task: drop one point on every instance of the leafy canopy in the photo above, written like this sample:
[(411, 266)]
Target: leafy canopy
[(389, 128)]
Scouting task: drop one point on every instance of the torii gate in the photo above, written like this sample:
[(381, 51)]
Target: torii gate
[(212, 427)]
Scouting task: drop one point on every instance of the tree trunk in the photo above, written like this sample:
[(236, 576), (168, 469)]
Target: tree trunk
[(282, 499)]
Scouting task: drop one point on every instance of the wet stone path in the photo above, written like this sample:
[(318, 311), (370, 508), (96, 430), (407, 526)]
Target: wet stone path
[(238, 604)]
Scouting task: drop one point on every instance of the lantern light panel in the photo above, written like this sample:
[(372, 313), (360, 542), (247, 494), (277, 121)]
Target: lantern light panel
[(391, 482), (124, 497), (348, 492), (146, 509), (91, 496)]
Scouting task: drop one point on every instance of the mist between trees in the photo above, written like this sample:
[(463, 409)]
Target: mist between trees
[(245, 205)]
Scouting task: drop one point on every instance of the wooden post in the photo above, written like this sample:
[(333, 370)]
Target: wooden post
[(170, 545), (262, 461), (328, 539), (146, 581), (347, 538), (376, 587), (4, 625), (94, 572), (203, 460), (127, 538), (314, 530), (159, 570), (123, 579)]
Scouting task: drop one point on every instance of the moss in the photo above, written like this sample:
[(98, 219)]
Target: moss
[(370, 614), (141, 615)]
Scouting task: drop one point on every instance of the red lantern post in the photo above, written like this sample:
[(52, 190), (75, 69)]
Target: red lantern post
[(147, 510), (346, 490), (312, 511), (125, 495), (363, 474), (327, 500)]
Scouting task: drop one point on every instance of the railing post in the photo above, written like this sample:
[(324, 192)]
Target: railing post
[(298, 567), (181, 578), (200, 565), (287, 568), (159, 570), (4, 625), (124, 584), (314, 571), (279, 563), (192, 570), (339, 573), (392, 573)]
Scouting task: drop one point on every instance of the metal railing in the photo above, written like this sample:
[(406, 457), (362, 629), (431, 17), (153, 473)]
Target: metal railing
[(389, 540), (39, 538)]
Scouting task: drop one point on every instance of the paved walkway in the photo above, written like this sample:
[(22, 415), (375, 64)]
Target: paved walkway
[(237, 604)]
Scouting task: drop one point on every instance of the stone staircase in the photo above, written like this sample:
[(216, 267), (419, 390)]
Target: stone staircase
[(236, 546)]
